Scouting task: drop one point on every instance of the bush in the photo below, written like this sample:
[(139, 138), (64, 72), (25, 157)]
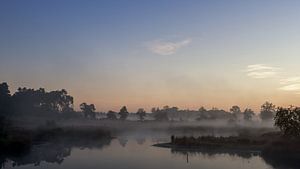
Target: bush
[(288, 120)]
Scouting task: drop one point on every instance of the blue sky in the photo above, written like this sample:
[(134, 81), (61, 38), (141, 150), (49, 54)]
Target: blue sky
[(153, 53)]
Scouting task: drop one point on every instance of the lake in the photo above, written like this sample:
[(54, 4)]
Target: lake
[(136, 152)]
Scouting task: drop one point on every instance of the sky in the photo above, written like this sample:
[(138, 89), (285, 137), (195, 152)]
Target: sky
[(142, 53)]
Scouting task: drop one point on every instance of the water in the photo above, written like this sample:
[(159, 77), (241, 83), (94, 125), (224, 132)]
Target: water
[(135, 152)]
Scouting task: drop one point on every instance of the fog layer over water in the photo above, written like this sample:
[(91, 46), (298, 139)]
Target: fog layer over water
[(134, 150)]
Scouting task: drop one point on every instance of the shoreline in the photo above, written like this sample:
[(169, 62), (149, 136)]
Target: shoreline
[(267, 144)]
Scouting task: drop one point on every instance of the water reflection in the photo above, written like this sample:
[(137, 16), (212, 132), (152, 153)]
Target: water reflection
[(136, 152), (52, 152), (282, 161), (140, 141), (123, 141)]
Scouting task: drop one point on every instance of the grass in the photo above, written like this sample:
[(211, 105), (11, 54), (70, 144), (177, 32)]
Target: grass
[(267, 143)]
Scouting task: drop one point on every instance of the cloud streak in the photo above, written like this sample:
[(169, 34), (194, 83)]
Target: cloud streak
[(295, 79), (291, 84), (165, 48), (261, 71), (291, 87)]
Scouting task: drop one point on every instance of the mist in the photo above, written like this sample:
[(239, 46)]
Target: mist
[(37, 120)]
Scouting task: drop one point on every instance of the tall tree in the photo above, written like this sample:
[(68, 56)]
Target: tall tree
[(5, 108), (154, 109), (267, 111), (123, 113), (248, 114), (288, 120), (160, 115), (39, 102), (5, 100), (141, 113), (111, 115), (236, 112), (88, 110), (202, 109)]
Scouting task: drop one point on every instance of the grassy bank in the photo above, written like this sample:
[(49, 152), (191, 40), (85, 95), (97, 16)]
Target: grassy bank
[(266, 143)]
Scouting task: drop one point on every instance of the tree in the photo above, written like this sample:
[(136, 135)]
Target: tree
[(166, 107), (88, 110), (5, 108), (288, 120), (39, 102), (214, 109), (141, 113), (267, 111), (248, 114), (202, 109), (123, 113), (154, 110), (35, 102), (111, 115), (58, 101), (236, 111), (5, 99), (160, 115), (202, 114)]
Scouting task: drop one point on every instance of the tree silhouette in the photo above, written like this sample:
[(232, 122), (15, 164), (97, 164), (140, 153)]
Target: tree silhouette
[(154, 109), (59, 101), (202, 109), (123, 113), (141, 113), (267, 111), (5, 108), (160, 115), (5, 100), (28, 101), (88, 110), (236, 112), (111, 115), (248, 114), (288, 120)]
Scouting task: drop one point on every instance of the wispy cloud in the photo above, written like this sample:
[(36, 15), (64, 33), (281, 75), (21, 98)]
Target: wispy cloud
[(291, 87), (260, 71), (295, 79), (161, 47), (291, 84)]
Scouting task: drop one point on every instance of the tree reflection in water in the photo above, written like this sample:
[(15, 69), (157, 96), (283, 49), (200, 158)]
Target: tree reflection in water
[(51, 152), (280, 160)]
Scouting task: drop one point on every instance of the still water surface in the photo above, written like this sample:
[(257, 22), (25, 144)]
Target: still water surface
[(134, 153)]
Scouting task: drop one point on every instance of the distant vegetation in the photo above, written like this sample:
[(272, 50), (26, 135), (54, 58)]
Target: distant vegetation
[(287, 140), (27, 103), (53, 114)]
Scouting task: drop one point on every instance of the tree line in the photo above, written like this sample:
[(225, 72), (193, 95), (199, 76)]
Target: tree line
[(235, 113), (27, 102)]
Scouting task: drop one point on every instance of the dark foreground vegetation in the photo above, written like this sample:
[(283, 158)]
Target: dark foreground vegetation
[(267, 143), (276, 160), (287, 140), (275, 148), (17, 141), (52, 145)]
